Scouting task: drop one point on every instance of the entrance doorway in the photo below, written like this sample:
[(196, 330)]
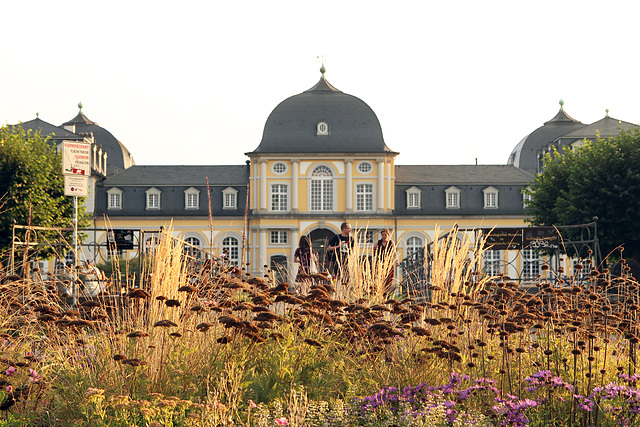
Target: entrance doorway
[(320, 240)]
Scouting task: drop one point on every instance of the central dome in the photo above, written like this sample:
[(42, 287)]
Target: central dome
[(322, 120)]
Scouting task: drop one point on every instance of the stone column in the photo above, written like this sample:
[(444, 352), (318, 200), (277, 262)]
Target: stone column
[(380, 185), (349, 206), (263, 251), (263, 185), (295, 166)]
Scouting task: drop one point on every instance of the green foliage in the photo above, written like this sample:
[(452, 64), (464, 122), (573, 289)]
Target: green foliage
[(31, 184), (600, 178)]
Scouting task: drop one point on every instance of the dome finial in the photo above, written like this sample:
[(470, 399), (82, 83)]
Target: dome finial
[(37, 115), (80, 106), (607, 112), (321, 60), (561, 104)]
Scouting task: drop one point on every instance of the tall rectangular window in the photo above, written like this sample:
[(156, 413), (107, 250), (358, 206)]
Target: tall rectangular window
[(491, 200), (321, 189), (492, 262), (453, 200), (364, 197), (192, 201), (279, 199), (531, 263), (413, 200), (115, 201)]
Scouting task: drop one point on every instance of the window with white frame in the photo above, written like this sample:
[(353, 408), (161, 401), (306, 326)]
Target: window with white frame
[(322, 189), (279, 168), (531, 263), (192, 198), (114, 198), (153, 198), (279, 237), (322, 129), (490, 198), (231, 249), (414, 245), (230, 198), (365, 167), (364, 197), (492, 262), (151, 243), (279, 198), (452, 196), (192, 247), (414, 196)]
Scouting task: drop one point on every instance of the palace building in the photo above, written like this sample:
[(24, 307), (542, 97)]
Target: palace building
[(322, 160)]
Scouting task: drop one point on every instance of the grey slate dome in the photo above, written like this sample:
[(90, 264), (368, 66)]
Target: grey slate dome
[(525, 154), (118, 156), (351, 125)]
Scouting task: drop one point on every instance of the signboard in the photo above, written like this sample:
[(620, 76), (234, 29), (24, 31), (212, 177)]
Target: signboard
[(541, 238), (76, 185), (503, 238), (521, 238), (123, 239), (76, 158)]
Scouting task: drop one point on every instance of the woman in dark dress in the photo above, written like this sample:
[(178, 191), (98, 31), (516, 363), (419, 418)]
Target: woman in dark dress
[(386, 258), (306, 257)]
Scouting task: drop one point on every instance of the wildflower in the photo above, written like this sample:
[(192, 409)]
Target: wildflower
[(282, 421), (9, 389), (252, 404), (33, 375), (10, 371)]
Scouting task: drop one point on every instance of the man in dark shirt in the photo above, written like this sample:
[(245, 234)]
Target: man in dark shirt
[(338, 251)]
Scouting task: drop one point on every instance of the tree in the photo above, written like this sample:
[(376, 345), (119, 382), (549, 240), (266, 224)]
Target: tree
[(31, 184), (600, 178)]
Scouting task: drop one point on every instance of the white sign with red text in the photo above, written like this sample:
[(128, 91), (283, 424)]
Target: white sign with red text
[(76, 158)]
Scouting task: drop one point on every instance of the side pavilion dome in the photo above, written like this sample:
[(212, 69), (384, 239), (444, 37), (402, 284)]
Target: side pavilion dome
[(322, 119), (525, 154)]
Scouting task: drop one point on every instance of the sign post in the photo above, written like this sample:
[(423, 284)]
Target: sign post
[(76, 168)]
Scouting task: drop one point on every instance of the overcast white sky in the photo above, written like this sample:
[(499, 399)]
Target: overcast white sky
[(194, 82)]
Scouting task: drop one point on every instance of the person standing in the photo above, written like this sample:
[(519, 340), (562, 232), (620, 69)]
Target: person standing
[(385, 259), (306, 257), (338, 251)]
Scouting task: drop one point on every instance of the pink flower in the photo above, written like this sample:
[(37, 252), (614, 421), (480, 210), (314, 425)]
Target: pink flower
[(9, 389), (12, 370), (34, 377), (282, 421), (252, 404)]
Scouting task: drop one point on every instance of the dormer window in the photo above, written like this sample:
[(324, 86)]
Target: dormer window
[(414, 196), (153, 198), (230, 198), (323, 129), (452, 196), (490, 198), (114, 198), (192, 198)]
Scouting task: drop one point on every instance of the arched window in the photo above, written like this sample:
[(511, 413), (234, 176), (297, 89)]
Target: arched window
[(322, 189), (414, 245), (231, 248), (192, 247)]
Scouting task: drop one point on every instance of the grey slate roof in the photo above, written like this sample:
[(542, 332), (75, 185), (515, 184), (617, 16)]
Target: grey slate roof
[(461, 174), (189, 175), (605, 127), (47, 129), (525, 154), (292, 125)]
